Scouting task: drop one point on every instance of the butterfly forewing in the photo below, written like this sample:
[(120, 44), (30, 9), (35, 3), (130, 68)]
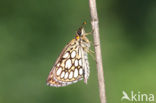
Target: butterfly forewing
[(68, 67)]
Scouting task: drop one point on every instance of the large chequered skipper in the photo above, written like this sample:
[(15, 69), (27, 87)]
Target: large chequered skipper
[(72, 65)]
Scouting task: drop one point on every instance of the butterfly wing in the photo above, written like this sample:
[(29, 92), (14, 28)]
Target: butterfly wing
[(68, 68), (85, 64)]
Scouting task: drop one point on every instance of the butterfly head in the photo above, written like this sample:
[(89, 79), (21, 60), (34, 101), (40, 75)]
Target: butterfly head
[(80, 32)]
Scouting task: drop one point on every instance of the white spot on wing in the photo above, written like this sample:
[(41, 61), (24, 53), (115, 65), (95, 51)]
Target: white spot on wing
[(73, 54), (80, 52), (62, 74), (75, 73), (80, 71), (68, 64), (59, 71), (76, 62), (80, 62), (65, 55), (70, 75), (58, 64), (66, 75)]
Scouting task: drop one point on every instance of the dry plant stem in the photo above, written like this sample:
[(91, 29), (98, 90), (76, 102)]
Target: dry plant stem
[(95, 28)]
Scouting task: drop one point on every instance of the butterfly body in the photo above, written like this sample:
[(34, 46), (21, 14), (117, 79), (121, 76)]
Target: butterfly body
[(72, 64)]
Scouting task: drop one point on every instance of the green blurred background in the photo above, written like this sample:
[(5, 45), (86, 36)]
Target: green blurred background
[(33, 33)]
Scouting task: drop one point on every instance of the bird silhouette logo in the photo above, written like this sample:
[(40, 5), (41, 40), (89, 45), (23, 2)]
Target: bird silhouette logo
[(125, 96)]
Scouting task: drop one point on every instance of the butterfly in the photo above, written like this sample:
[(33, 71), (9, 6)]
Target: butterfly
[(72, 65)]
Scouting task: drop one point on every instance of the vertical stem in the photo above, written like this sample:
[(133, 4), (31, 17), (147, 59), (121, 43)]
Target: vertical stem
[(95, 28)]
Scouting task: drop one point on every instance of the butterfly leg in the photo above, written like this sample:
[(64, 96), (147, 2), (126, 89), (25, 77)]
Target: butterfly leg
[(89, 51), (89, 33)]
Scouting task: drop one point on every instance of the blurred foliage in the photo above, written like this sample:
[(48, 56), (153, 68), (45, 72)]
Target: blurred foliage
[(33, 33)]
